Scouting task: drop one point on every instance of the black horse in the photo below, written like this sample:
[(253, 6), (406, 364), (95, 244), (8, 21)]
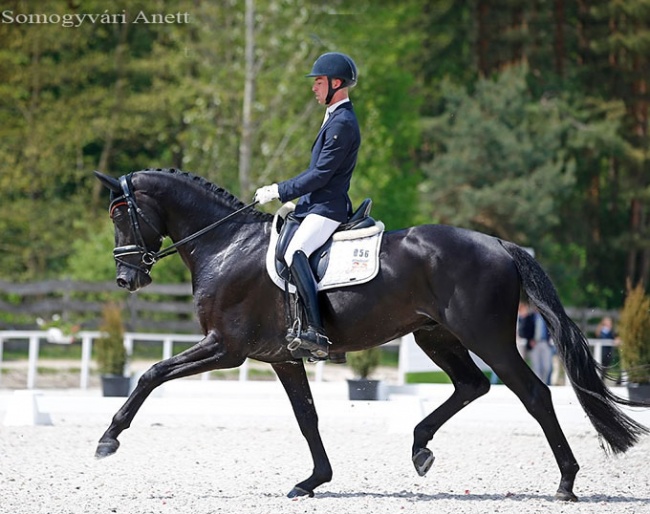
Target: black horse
[(455, 289)]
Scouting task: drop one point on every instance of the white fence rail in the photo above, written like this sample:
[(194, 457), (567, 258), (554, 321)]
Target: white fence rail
[(413, 360), (411, 357), (34, 338)]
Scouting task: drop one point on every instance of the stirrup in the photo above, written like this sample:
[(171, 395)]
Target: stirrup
[(311, 340), (292, 337)]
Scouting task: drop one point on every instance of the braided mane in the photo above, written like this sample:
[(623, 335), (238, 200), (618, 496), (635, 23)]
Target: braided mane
[(225, 197)]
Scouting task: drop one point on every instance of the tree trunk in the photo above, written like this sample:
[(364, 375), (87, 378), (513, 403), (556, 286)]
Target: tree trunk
[(245, 145)]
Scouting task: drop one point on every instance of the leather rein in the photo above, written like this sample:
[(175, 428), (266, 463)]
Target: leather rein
[(147, 257)]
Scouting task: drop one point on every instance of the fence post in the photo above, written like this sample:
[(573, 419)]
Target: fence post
[(86, 352), (33, 361), (168, 348), (2, 346), (243, 371)]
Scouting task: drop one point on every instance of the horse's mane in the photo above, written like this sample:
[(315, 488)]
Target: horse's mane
[(225, 196)]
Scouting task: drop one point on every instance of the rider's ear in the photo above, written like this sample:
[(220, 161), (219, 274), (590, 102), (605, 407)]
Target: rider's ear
[(111, 183)]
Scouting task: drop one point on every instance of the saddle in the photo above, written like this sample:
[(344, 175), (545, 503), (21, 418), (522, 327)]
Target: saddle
[(349, 257)]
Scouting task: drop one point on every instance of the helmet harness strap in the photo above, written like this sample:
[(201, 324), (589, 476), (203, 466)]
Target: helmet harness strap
[(331, 90)]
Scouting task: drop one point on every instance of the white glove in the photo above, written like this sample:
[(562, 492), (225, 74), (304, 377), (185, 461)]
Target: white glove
[(266, 194)]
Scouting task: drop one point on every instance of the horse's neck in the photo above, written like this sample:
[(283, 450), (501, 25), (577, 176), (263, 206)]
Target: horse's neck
[(191, 214), (188, 209)]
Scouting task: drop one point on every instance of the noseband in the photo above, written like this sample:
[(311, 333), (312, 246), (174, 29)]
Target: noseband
[(147, 257)]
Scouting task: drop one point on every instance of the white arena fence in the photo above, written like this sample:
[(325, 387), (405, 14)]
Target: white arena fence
[(35, 337), (411, 358)]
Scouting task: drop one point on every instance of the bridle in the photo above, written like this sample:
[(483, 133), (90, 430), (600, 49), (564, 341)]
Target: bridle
[(147, 257)]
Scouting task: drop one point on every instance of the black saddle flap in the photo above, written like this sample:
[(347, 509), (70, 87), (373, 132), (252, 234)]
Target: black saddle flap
[(289, 227), (320, 258)]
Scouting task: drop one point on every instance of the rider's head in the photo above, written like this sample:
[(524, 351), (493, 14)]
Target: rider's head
[(337, 71)]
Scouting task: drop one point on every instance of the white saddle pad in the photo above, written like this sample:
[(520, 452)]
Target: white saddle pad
[(354, 255)]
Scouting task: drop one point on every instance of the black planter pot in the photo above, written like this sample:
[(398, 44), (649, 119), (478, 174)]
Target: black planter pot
[(639, 392), (363, 389), (116, 385)]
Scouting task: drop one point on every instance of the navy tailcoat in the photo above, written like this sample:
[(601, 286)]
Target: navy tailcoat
[(323, 187)]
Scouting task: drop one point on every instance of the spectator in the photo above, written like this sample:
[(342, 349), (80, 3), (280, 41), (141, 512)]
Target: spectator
[(609, 355), (539, 348)]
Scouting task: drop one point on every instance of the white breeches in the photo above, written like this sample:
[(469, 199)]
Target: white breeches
[(312, 233)]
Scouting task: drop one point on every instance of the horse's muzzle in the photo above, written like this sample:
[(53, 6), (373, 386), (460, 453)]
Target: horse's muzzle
[(132, 281)]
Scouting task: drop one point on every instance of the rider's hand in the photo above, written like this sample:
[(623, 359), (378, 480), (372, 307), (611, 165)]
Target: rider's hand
[(266, 194)]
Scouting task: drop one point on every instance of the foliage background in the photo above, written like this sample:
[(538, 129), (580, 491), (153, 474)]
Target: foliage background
[(527, 120)]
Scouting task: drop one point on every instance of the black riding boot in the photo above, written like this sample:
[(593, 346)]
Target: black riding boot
[(313, 339)]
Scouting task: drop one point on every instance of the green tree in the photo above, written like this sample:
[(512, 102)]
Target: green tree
[(74, 100), (500, 166)]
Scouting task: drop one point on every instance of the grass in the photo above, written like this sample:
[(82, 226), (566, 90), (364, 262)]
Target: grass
[(427, 377), (253, 374), (433, 377)]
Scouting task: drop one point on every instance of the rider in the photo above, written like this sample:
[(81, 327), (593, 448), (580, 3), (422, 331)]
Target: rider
[(323, 187)]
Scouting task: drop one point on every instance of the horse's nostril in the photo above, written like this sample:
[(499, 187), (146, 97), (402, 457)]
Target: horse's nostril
[(122, 282)]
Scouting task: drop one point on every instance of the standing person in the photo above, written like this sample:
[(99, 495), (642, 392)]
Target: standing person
[(525, 329), (538, 344), (605, 330), (322, 188)]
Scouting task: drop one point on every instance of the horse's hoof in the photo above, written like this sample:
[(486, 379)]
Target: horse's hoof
[(423, 460), (296, 492), (106, 448), (565, 496)]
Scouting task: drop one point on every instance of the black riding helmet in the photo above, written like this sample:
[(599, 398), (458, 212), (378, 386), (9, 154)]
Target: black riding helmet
[(335, 65)]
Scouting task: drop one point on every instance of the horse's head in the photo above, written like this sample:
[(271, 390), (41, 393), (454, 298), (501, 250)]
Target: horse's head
[(137, 232)]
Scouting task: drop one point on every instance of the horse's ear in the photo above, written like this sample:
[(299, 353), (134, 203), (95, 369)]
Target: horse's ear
[(111, 183)]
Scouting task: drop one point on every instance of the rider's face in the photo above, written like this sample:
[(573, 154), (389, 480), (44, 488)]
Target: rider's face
[(321, 88)]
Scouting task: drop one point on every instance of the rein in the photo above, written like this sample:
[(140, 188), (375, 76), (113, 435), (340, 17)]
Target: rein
[(148, 258), (173, 248)]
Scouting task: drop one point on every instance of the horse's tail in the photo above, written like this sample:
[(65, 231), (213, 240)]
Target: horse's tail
[(618, 430)]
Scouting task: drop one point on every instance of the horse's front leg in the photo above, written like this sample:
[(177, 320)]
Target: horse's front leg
[(294, 379), (206, 355)]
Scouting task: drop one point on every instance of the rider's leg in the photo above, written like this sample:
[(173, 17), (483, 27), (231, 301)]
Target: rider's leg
[(312, 339), (313, 232), (311, 235)]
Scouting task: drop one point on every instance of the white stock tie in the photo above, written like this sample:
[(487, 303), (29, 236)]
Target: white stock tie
[(327, 115)]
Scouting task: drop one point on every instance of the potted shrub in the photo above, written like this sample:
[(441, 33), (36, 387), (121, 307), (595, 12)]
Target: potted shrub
[(110, 353), (634, 331), (363, 363)]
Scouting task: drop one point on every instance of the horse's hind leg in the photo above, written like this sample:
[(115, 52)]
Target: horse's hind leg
[(536, 397), (206, 355), (469, 383)]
